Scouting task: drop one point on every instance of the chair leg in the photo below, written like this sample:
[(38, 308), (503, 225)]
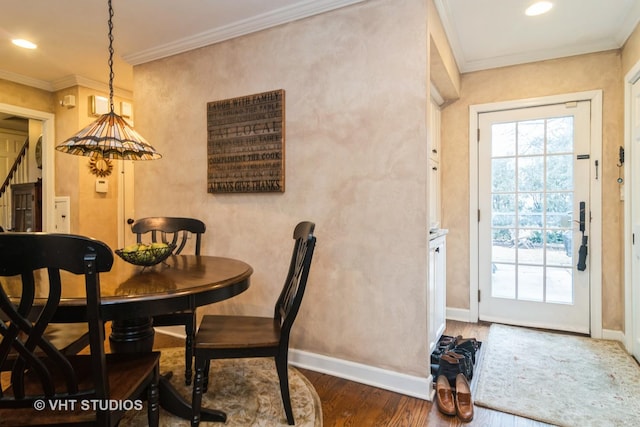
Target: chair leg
[(153, 400), (196, 397), (205, 381), (283, 376), (189, 328)]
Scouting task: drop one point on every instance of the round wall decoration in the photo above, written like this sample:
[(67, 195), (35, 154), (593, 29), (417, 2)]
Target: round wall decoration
[(100, 167)]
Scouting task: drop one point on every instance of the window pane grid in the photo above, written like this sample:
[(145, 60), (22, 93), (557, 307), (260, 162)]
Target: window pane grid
[(532, 203)]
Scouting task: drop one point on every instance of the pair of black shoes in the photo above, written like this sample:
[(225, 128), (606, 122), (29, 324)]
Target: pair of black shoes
[(453, 356)]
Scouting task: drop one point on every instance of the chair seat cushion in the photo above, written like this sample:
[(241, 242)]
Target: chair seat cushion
[(223, 332)]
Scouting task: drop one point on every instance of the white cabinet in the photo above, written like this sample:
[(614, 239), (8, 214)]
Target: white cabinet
[(437, 286)]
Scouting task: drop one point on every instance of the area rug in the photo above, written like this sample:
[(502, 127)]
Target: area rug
[(559, 379), (247, 390)]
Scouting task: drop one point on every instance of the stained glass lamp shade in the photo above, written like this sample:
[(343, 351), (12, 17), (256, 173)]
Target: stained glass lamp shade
[(109, 137)]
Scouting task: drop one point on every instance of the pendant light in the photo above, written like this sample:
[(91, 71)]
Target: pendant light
[(110, 136)]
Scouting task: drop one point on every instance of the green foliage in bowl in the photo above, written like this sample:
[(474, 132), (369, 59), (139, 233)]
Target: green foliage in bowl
[(146, 255)]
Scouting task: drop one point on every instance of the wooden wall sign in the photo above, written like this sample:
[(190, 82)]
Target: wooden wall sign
[(245, 144)]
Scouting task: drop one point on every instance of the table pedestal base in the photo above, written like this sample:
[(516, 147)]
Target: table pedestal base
[(174, 403), (132, 335), (136, 335)]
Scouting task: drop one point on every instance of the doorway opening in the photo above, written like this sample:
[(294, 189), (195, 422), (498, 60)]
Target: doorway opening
[(47, 156)]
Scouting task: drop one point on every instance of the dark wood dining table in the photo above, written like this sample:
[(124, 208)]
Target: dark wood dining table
[(131, 295)]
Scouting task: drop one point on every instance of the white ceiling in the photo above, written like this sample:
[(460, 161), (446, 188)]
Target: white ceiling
[(72, 34), (494, 33)]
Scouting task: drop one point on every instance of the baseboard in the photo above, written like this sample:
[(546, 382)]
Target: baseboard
[(174, 331), (419, 387), (610, 334), (459, 314)]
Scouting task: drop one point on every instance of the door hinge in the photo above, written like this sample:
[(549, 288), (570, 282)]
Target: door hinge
[(478, 135), (478, 295), (478, 215)]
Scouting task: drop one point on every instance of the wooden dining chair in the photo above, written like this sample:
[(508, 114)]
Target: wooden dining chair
[(177, 231), (45, 385), (228, 337), (70, 337)]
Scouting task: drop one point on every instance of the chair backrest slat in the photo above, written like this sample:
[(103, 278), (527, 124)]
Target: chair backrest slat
[(290, 298), (174, 230)]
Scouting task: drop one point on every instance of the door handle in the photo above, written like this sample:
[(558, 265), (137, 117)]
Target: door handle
[(582, 253)]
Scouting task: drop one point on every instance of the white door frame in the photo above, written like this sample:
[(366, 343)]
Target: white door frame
[(629, 79), (595, 237), (48, 156)]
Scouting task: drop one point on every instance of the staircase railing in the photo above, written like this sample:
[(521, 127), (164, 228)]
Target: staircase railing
[(17, 174)]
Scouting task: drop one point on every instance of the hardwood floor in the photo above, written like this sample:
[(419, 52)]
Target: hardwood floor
[(347, 403)]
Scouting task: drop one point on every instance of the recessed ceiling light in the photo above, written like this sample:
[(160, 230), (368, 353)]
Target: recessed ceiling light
[(538, 8), (24, 43)]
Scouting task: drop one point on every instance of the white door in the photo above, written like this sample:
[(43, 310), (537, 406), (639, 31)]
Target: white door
[(533, 184), (634, 163)]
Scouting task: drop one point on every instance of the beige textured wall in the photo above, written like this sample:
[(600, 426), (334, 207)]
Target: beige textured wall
[(25, 96), (92, 214), (97, 211), (573, 74), (356, 96)]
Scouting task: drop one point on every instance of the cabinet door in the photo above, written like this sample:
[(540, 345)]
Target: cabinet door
[(440, 291), (22, 212), (434, 195), (26, 201), (435, 113), (437, 290), (431, 304)]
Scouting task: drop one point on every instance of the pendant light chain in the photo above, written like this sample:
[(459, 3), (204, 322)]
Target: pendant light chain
[(111, 75)]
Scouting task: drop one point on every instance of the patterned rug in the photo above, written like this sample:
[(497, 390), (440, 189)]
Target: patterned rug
[(247, 390), (559, 379)]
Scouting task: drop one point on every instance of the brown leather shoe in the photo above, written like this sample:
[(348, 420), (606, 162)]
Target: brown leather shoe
[(444, 396), (464, 403)]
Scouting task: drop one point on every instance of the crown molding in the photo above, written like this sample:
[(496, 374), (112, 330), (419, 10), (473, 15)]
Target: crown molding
[(64, 83), (27, 81), (76, 80), (240, 28), (546, 55)]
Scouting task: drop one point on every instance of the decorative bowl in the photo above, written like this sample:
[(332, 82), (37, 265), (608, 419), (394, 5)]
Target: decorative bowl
[(146, 255)]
